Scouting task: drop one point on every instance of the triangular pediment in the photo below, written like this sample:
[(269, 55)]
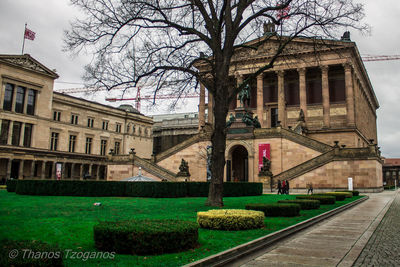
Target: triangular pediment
[(264, 47), (28, 63)]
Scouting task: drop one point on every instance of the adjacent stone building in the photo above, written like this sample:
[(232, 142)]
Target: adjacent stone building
[(45, 134)]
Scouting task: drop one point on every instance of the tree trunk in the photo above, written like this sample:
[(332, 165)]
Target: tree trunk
[(218, 142)]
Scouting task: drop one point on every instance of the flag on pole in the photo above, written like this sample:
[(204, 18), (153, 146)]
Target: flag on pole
[(29, 34)]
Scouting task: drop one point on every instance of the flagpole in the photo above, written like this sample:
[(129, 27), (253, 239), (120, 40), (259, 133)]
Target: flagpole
[(23, 43)]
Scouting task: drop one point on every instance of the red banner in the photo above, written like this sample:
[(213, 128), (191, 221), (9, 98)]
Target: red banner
[(264, 150)]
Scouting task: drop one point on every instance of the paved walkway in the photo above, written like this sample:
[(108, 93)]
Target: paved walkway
[(337, 241), (383, 248)]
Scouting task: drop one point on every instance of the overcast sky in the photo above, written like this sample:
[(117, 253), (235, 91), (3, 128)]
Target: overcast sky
[(49, 18)]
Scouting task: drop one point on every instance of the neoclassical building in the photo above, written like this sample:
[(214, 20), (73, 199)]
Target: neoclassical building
[(48, 135), (317, 111)]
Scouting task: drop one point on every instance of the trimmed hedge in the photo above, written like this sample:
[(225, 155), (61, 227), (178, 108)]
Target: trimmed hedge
[(354, 192), (132, 189), (11, 185), (338, 196), (146, 237), (305, 204), (230, 219), (323, 199), (276, 209), (50, 255)]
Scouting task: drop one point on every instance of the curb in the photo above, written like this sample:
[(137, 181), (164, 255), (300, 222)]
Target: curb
[(232, 254)]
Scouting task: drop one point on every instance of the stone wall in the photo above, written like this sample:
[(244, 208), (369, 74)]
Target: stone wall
[(196, 157), (366, 174), (365, 116), (117, 172)]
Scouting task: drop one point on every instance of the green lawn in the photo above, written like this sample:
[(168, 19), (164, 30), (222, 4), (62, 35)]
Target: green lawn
[(68, 221)]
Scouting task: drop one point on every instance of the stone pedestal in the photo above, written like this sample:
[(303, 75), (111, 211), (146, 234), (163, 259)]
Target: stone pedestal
[(181, 178), (266, 182)]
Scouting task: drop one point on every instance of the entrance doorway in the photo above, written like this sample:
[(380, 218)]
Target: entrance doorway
[(240, 164)]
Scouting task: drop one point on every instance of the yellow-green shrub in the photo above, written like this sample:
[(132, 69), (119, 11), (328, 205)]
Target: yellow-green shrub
[(230, 219)]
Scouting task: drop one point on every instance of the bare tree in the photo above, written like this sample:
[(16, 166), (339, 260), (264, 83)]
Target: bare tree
[(163, 41)]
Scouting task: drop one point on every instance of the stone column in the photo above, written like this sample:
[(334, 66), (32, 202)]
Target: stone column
[(8, 172), (325, 96), (98, 172), (14, 97), (349, 94), (202, 106), (2, 92), (22, 134), (21, 169), (302, 91), (25, 107), (281, 98), (10, 129), (239, 81), (53, 171), (90, 170), (210, 108), (260, 99), (81, 172), (32, 172), (42, 174), (72, 170), (63, 167)]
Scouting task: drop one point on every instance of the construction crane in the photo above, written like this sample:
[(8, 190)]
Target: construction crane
[(367, 58)]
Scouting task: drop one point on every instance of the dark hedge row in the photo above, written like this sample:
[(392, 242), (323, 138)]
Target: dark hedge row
[(305, 204), (325, 200), (338, 197), (11, 185), (276, 209), (146, 237), (29, 253), (355, 193), (132, 189)]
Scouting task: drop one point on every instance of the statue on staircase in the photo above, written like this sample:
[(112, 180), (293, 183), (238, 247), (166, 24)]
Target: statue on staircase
[(244, 96), (184, 169), (265, 169)]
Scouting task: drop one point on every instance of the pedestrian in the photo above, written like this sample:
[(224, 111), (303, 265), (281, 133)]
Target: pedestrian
[(283, 187), (310, 188), (287, 187), (279, 187)]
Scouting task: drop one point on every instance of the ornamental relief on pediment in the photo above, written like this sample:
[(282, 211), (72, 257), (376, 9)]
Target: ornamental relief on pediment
[(26, 63)]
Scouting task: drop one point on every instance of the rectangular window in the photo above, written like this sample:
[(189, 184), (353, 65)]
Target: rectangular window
[(19, 100), (54, 141), (5, 126), (292, 93), (103, 147), (337, 86), (314, 86), (118, 127), (270, 88), (72, 142), (16, 133), (88, 148), (116, 147), (90, 122), (8, 96), (105, 125), (57, 116), (28, 135), (30, 107), (74, 119)]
